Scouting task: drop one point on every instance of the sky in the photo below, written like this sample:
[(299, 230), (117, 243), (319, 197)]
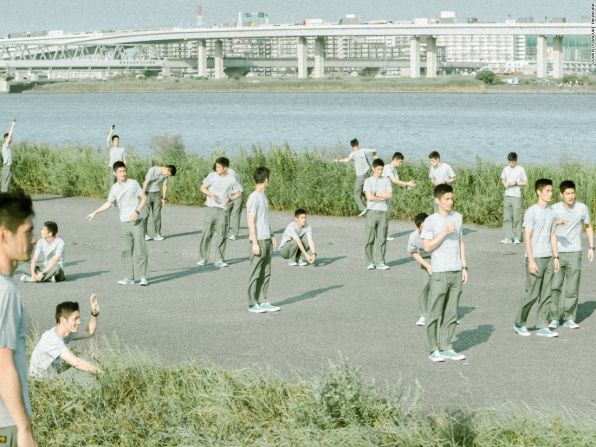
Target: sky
[(96, 15)]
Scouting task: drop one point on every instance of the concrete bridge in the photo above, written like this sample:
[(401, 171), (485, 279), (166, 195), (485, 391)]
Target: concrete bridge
[(108, 49)]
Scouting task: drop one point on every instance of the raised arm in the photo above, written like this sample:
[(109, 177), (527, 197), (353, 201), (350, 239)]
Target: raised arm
[(92, 326), (101, 209), (343, 160), (109, 138), (11, 130)]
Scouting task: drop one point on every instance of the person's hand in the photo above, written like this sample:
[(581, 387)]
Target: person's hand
[(256, 250), (94, 305), (533, 268), (411, 184), (38, 276), (113, 127), (429, 269), (310, 259), (164, 201), (134, 216), (464, 276), (90, 217), (450, 229), (273, 242), (560, 222), (225, 201), (557, 265)]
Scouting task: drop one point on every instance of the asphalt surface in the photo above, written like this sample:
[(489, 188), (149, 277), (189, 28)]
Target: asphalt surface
[(333, 311)]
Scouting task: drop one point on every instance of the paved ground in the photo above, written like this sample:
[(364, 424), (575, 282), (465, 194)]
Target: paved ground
[(336, 309)]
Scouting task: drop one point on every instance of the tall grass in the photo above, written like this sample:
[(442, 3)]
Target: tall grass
[(137, 401), (308, 179)]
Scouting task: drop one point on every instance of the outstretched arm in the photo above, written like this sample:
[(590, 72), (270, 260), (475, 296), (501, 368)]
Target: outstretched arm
[(78, 363), (11, 130), (101, 209)]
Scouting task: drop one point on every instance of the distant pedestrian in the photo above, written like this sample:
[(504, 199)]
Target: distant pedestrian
[(51, 355), (47, 263), (297, 241), (378, 194), (16, 244), (235, 209), (513, 178), (155, 188), (262, 242), (442, 236), (115, 153), (130, 199), (390, 171), (416, 250), (359, 157), (571, 218), (7, 158), (542, 261), (440, 172), (220, 188)]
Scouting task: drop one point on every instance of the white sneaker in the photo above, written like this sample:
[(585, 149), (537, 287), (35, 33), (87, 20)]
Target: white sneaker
[(269, 308), (232, 237), (436, 357), (516, 241), (292, 263), (26, 278), (220, 264), (126, 282), (256, 309), (362, 213), (390, 238), (147, 237), (302, 263), (202, 262), (143, 282), (421, 321), (370, 267), (570, 324), (521, 330), (382, 266), (506, 241), (159, 237)]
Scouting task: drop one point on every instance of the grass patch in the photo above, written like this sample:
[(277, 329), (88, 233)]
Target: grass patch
[(138, 401), (307, 179)]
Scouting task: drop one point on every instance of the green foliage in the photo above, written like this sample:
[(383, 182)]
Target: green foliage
[(308, 179), (136, 401), (488, 77)]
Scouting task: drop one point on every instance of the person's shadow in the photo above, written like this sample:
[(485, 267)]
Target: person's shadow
[(585, 310), (307, 295), (467, 339), (322, 262)]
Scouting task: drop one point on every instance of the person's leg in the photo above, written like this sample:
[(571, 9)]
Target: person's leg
[(6, 176), (254, 274), (518, 216), (221, 230), (370, 231), (557, 288), (508, 218), (531, 295), (111, 178), (156, 208), (140, 250), (234, 220), (8, 436), (381, 238), (572, 281), (288, 248), (150, 215), (543, 312), (449, 316), (208, 229), (358, 185), (267, 249), (55, 272), (423, 295), (437, 293), (126, 247), (304, 240)]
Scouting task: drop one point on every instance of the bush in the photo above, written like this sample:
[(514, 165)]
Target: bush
[(488, 77)]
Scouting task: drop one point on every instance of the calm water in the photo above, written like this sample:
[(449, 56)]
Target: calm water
[(460, 126)]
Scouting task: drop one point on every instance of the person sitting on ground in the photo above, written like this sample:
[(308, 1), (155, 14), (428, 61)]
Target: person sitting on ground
[(297, 241), (51, 352), (49, 252)]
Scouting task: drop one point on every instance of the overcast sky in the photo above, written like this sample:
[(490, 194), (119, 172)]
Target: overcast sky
[(88, 15)]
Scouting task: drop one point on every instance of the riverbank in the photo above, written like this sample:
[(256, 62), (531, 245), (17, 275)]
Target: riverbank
[(307, 179), (442, 84)]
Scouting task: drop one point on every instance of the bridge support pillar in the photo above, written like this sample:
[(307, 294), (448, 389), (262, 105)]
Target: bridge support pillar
[(541, 57), (558, 57), (319, 71), (302, 52), (415, 57), (219, 60), (4, 86), (431, 57), (202, 57)]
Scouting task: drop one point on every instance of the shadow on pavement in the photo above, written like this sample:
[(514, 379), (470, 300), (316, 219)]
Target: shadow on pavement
[(181, 274), (401, 261), (188, 233), (468, 231), (71, 263), (462, 311), (585, 310), (307, 295), (322, 262), (400, 234), (467, 339), (75, 276)]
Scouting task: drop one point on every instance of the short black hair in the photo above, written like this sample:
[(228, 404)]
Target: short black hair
[(6, 134), (119, 164), (512, 156), (442, 189), (172, 169), (354, 142), (419, 219), (299, 212), (15, 208), (261, 174), (397, 156), (52, 227), (223, 161), (66, 309), (566, 184), (378, 162), (435, 155), (541, 183), (114, 137)]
